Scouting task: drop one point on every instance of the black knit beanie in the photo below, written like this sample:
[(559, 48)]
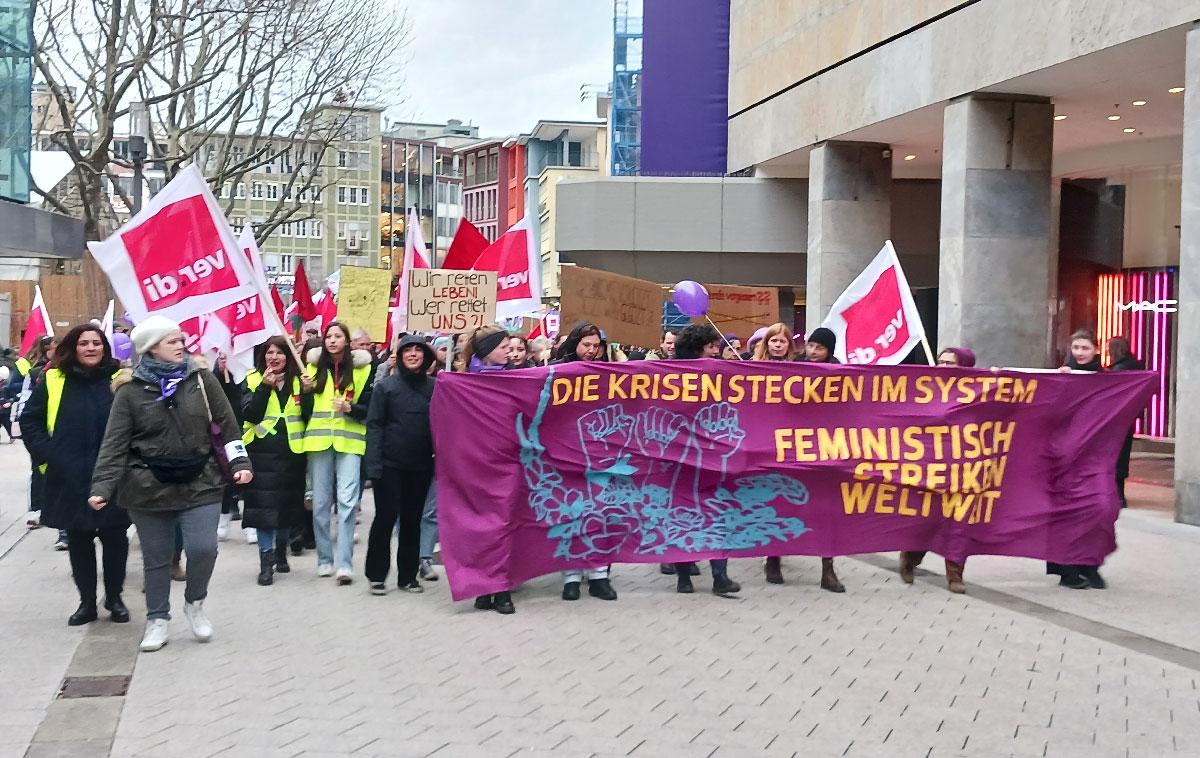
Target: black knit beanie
[(824, 337)]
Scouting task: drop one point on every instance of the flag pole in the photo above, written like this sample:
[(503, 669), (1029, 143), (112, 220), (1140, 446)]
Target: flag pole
[(928, 351)]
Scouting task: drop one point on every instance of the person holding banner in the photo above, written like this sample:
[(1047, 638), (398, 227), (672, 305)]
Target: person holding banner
[(74, 399), (775, 344), (702, 341), (951, 357), (275, 411), (170, 437), (585, 343), (1085, 356), (335, 441), (820, 348), (486, 350), (399, 462)]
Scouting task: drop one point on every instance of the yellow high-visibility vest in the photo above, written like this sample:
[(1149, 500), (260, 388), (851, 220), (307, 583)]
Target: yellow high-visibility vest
[(292, 413), (328, 428), (23, 366), (55, 381)]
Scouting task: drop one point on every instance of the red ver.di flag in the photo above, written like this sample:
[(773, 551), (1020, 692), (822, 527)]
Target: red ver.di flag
[(518, 268), (178, 257), (875, 319)]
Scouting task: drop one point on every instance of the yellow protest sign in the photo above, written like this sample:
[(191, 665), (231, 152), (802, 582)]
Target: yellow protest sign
[(363, 298)]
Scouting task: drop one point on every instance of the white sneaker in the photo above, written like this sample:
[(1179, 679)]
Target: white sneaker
[(201, 627), (33, 519), (223, 526), (344, 576), (156, 635), (251, 535), (325, 570)]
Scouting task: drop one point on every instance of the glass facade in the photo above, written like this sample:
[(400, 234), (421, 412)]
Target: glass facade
[(412, 169), (16, 86)]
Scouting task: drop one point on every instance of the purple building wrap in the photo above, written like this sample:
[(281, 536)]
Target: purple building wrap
[(685, 87)]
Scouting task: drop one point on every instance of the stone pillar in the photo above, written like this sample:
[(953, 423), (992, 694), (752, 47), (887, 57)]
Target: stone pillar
[(1187, 390), (849, 218), (998, 264)]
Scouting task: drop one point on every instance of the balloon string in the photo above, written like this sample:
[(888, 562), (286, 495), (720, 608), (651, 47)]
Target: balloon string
[(723, 337)]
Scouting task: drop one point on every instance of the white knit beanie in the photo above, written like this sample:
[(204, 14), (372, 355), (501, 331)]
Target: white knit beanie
[(150, 332)]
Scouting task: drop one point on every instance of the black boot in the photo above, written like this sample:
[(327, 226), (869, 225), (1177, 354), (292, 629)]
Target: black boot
[(1073, 579), (84, 614), (266, 567), (502, 603), (1092, 575), (724, 586), (601, 588), (667, 568), (683, 582), (571, 591), (484, 603), (119, 613), (281, 561)]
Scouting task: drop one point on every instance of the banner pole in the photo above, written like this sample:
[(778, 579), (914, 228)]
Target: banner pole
[(727, 344), (928, 352)]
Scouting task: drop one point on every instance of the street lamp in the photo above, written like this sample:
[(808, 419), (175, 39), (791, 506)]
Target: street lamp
[(138, 121)]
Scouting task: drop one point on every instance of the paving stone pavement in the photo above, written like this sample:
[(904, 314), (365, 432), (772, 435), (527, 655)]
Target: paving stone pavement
[(305, 668)]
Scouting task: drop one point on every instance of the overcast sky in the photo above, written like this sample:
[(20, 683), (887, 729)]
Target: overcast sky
[(504, 64)]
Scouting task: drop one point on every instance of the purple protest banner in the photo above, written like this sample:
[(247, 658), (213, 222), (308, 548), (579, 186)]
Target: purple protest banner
[(586, 464)]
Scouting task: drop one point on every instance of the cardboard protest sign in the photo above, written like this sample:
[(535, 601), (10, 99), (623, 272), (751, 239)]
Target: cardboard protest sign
[(449, 300), (741, 310), (628, 310), (362, 301)]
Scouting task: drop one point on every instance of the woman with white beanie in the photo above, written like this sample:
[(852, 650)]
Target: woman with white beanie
[(170, 437)]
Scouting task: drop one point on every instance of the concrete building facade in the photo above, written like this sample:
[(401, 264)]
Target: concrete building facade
[(1060, 141)]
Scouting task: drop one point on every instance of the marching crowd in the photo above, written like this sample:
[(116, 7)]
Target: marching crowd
[(171, 445)]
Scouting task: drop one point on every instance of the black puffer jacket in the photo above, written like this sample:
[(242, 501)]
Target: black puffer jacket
[(70, 453), (398, 431), (275, 498)]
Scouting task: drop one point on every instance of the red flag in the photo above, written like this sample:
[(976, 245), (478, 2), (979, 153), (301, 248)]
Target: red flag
[(302, 294), (519, 272), (277, 301), (38, 325), (177, 257), (875, 320), (326, 308), (464, 250), (391, 327), (537, 331)]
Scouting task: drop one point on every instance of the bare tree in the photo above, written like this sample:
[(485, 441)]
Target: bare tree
[(235, 86)]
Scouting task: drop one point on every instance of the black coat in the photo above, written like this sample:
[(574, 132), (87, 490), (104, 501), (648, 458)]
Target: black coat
[(398, 432), (70, 453), (275, 497)]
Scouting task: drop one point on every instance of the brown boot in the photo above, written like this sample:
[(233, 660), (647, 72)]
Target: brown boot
[(829, 579), (954, 572), (774, 570), (908, 564)]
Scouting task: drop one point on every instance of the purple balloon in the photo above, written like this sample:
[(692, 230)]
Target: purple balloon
[(690, 298), (122, 346)]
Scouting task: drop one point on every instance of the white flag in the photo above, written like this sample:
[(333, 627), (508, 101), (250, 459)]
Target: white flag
[(875, 319)]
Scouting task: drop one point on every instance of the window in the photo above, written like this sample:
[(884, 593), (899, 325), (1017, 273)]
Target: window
[(225, 190), (237, 153), (358, 127), (364, 194), (285, 229), (239, 191), (341, 230), (342, 160), (272, 191), (341, 195), (285, 264), (256, 190), (314, 228), (237, 222)]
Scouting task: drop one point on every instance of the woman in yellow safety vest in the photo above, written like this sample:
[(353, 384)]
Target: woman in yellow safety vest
[(275, 411), (335, 441), (63, 425)]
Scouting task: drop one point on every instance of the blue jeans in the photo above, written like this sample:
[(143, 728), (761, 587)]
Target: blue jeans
[(334, 476), (429, 533), (272, 539)]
